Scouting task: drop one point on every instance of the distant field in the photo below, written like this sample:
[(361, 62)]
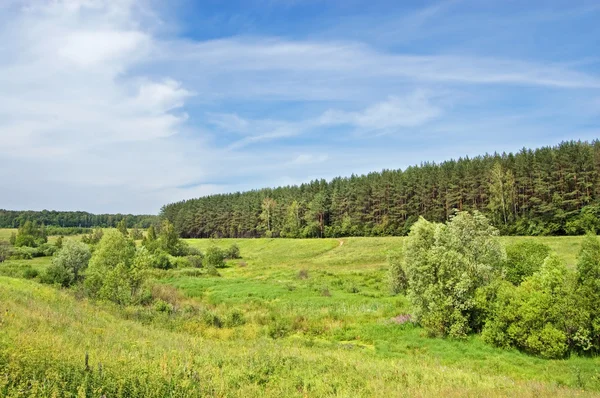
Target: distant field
[(6, 232), (291, 318)]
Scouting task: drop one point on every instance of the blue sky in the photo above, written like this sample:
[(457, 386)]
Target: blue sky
[(123, 106)]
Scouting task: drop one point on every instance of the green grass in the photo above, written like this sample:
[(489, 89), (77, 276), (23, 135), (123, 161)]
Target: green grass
[(6, 232), (315, 321)]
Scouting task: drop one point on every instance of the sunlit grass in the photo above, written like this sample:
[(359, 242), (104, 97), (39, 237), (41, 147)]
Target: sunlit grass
[(315, 321)]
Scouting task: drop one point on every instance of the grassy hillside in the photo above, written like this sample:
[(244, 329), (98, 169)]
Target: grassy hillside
[(292, 318)]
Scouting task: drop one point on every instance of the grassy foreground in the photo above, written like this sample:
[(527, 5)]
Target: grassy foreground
[(292, 318)]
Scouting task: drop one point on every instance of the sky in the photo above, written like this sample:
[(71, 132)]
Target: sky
[(126, 105)]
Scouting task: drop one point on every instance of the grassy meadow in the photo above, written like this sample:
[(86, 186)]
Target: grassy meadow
[(291, 318)]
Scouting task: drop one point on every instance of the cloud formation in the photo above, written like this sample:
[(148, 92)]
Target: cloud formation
[(105, 106)]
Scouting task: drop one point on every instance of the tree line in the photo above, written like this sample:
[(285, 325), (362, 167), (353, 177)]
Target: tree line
[(79, 219), (545, 191)]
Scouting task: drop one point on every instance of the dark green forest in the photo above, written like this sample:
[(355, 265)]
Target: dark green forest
[(545, 191), (13, 219)]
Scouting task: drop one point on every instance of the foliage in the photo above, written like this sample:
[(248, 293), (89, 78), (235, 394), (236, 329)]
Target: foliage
[(30, 235), (122, 227), (136, 234), (53, 230), (93, 237), (161, 260), (524, 259), (214, 258), (348, 344), (115, 272), (541, 315), (588, 289), (59, 242), (396, 274), (546, 191), (4, 250), (68, 263), (195, 260), (445, 265), (233, 252), (72, 219)]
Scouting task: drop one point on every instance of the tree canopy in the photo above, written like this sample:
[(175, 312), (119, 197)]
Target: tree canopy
[(546, 191)]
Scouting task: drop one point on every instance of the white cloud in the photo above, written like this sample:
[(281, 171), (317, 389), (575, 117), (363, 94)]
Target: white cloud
[(99, 111), (397, 112), (305, 158)]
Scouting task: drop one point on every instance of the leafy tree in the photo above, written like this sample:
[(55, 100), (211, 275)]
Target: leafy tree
[(161, 260), (113, 273), (267, 215), (30, 235), (524, 259), (396, 274), (68, 263), (540, 316), (59, 242), (214, 258), (233, 252), (4, 251), (293, 221), (169, 240), (445, 264), (136, 234), (502, 193), (94, 237), (588, 290), (122, 227)]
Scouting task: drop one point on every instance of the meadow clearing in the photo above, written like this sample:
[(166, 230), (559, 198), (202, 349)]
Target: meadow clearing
[(293, 317)]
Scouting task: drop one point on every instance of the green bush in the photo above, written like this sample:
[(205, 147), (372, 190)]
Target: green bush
[(396, 274), (116, 269), (181, 262), (195, 260), (445, 265), (233, 252), (214, 257), (161, 260), (5, 251), (524, 259), (541, 316), (68, 264), (30, 273), (588, 290)]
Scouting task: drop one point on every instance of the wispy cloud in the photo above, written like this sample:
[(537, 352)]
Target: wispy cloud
[(103, 105)]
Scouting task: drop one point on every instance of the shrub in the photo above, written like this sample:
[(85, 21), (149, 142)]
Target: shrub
[(396, 274), (68, 264), (303, 274), (4, 251), (588, 288), (181, 262), (93, 237), (116, 269), (195, 260), (30, 273), (235, 318), (540, 316), (161, 260), (233, 252), (445, 265), (524, 259), (212, 319), (30, 235), (214, 257), (163, 306)]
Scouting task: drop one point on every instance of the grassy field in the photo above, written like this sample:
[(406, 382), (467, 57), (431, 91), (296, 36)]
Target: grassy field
[(291, 318)]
